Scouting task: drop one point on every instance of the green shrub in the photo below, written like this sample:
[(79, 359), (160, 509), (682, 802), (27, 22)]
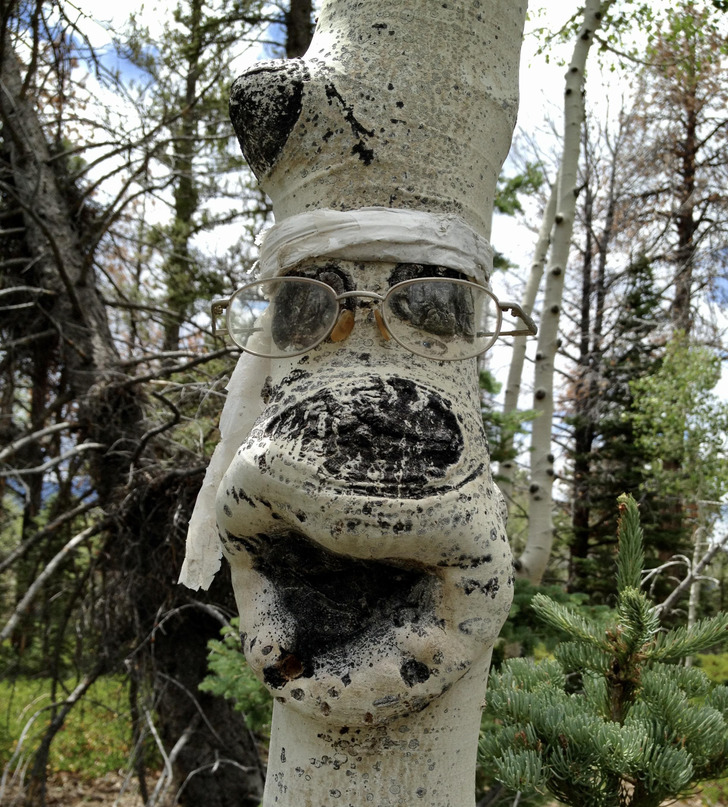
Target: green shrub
[(613, 720), (231, 677), (715, 666)]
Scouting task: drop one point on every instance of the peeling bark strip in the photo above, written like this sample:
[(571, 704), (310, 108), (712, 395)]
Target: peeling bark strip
[(365, 536)]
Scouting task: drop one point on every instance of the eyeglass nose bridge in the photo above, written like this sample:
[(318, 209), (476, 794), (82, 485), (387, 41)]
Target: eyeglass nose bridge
[(369, 295), (345, 320)]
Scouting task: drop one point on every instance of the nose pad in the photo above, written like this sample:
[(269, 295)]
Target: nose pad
[(382, 327), (344, 326)]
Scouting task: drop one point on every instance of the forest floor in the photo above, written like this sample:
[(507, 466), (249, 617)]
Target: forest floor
[(66, 790)]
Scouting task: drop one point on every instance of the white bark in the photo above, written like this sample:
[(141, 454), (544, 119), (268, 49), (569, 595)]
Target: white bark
[(420, 759), (365, 535), (532, 562), (507, 469), (694, 597)]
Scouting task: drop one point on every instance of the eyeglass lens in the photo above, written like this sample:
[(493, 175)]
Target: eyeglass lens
[(438, 318)]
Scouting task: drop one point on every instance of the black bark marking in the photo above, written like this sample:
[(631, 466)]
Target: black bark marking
[(490, 588), (392, 438), (466, 562), (468, 625), (334, 600), (414, 672), (265, 104), (241, 494), (366, 155)]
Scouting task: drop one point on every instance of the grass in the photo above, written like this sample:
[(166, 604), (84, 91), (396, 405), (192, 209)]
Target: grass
[(715, 666), (95, 740)]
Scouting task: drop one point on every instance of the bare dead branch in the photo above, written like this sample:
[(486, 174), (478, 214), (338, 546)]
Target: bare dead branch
[(51, 527), (53, 463), (147, 436), (164, 372), (693, 574), (10, 449), (50, 568)]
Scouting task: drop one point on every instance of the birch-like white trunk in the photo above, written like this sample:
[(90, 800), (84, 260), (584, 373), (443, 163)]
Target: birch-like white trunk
[(507, 469), (532, 562), (365, 535)]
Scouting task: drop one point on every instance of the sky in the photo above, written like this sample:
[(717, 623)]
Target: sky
[(540, 109)]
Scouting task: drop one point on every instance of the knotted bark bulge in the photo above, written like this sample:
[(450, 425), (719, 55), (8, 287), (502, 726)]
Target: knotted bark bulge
[(409, 105)]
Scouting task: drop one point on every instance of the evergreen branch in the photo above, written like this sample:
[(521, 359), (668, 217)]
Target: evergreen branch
[(521, 770), (577, 656), (638, 619), (564, 619), (631, 557), (680, 642)]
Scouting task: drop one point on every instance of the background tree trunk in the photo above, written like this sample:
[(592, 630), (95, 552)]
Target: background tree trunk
[(532, 561)]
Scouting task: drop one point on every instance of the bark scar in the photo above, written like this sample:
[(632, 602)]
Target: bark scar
[(366, 155)]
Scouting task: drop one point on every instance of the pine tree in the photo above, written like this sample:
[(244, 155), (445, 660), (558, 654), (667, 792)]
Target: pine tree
[(610, 460), (613, 720)]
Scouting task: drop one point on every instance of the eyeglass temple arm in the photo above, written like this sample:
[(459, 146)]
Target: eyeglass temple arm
[(517, 311), (217, 309)]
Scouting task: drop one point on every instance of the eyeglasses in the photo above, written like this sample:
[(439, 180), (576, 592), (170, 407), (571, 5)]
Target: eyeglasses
[(436, 317)]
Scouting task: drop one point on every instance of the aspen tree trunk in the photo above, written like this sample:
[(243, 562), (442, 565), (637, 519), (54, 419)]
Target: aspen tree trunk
[(507, 469), (694, 596), (533, 560), (365, 535)]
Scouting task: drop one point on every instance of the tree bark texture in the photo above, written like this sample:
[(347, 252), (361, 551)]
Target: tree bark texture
[(365, 535), (507, 469), (535, 556)]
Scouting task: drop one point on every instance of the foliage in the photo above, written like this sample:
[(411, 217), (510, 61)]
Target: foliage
[(612, 720), (604, 455), (186, 86), (714, 665), (96, 739), (510, 189), (230, 677), (501, 428), (680, 424), (658, 178), (524, 629)]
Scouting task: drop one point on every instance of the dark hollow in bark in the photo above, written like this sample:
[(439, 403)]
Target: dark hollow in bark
[(335, 601)]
